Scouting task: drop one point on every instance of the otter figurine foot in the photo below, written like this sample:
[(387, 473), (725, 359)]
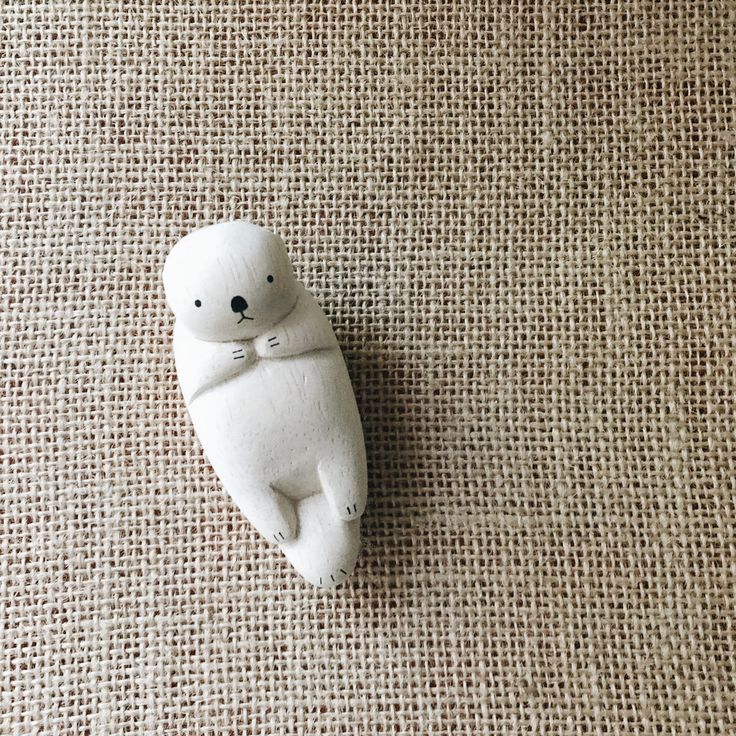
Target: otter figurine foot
[(269, 394)]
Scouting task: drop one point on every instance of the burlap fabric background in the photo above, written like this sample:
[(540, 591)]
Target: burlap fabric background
[(521, 219)]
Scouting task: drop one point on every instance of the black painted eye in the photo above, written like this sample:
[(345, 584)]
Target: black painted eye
[(197, 303), (269, 278)]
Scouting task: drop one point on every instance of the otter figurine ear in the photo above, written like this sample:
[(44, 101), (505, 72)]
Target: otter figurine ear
[(269, 395)]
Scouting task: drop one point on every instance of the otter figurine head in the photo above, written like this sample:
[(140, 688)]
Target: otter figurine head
[(230, 281)]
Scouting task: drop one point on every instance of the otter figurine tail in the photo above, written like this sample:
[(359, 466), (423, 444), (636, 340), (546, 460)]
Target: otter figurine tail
[(325, 550), (269, 395)]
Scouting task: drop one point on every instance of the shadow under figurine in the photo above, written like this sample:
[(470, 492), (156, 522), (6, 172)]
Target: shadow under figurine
[(269, 394)]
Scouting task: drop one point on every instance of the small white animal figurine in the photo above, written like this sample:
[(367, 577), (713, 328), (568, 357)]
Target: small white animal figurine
[(269, 394)]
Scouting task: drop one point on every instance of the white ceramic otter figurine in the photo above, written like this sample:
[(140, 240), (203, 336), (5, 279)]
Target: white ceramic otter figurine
[(269, 394)]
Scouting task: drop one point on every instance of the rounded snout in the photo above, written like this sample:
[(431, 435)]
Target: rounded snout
[(238, 304)]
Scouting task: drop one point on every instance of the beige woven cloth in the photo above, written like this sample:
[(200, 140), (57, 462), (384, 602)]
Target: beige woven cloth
[(521, 219)]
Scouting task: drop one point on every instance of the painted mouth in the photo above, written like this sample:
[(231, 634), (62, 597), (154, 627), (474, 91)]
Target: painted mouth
[(243, 317)]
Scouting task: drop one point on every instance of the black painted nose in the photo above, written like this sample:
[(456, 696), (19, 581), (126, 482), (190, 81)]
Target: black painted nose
[(238, 304)]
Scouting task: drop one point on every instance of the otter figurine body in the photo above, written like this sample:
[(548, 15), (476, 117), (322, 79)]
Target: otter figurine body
[(269, 394)]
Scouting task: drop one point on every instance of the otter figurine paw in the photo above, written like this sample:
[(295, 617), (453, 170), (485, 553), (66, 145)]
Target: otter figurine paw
[(269, 394)]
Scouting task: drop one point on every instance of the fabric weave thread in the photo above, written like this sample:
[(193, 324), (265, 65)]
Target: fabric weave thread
[(520, 218)]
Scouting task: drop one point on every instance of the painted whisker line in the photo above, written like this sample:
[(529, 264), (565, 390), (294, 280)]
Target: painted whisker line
[(273, 338), (239, 350), (274, 344), (342, 571), (238, 357)]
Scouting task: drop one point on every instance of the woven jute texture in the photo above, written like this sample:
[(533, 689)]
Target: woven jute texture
[(521, 219)]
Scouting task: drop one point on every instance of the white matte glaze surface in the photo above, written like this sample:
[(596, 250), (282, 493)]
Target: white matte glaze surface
[(269, 394)]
